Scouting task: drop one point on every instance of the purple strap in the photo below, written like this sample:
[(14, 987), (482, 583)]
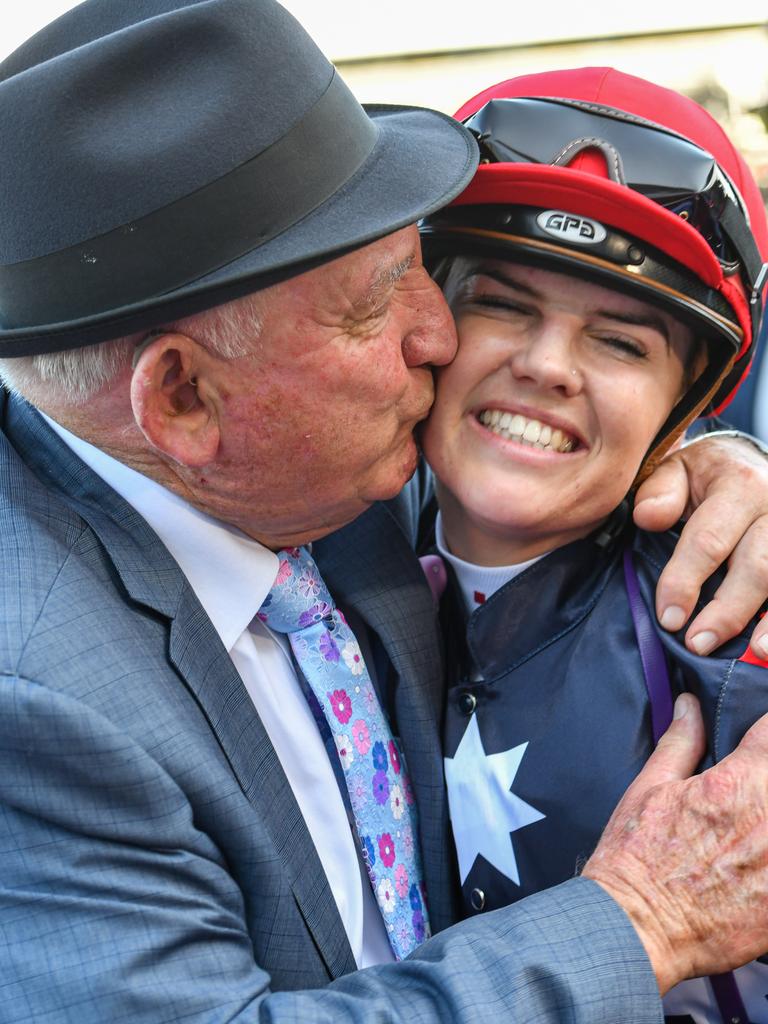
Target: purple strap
[(724, 987), (651, 654)]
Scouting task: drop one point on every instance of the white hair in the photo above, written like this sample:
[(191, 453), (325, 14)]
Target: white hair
[(72, 377)]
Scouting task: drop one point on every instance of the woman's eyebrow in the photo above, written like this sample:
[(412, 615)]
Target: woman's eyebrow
[(650, 319), (509, 282)]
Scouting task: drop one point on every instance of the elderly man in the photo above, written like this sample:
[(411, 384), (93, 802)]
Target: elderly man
[(214, 306)]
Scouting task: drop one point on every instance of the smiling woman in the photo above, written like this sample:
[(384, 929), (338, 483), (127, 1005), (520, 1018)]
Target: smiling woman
[(543, 419), (602, 301)]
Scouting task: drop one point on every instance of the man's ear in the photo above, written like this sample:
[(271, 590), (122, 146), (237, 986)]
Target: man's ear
[(173, 399)]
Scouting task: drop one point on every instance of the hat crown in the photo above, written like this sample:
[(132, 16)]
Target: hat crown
[(84, 133)]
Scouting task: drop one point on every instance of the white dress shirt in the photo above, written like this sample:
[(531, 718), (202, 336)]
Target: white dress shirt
[(231, 574)]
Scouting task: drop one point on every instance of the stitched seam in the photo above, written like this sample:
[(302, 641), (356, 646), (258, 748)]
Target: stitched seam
[(718, 713)]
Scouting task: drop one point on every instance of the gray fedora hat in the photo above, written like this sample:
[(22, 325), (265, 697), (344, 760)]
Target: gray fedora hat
[(160, 157)]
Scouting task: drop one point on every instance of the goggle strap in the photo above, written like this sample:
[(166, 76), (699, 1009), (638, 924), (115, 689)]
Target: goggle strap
[(733, 223)]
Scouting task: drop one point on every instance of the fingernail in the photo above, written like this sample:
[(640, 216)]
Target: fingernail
[(704, 642), (672, 618), (682, 706), (760, 645)]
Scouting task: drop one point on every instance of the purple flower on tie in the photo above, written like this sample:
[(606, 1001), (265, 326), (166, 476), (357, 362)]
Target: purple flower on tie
[(328, 648), (361, 736), (401, 881), (379, 756), (386, 849), (380, 787), (369, 854), (316, 613), (394, 756), (418, 925), (414, 897), (341, 704)]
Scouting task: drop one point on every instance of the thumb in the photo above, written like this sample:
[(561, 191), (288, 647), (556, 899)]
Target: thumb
[(661, 500), (677, 753)]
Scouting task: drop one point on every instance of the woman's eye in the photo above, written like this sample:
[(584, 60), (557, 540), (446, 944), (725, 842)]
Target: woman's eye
[(499, 302), (625, 345)]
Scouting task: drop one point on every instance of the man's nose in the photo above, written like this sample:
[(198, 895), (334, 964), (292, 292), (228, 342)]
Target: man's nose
[(431, 338)]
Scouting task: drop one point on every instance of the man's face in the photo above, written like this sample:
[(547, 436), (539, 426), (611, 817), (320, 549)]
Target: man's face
[(317, 422), (543, 418)]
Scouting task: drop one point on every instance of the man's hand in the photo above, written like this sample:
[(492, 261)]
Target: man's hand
[(721, 485), (687, 858)]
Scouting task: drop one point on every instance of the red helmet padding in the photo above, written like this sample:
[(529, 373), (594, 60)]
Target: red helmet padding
[(585, 189)]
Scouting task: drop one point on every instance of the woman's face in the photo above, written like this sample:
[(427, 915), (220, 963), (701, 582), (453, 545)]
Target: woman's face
[(542, 420)]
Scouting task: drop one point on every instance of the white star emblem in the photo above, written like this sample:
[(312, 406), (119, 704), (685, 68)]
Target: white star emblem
[(483, 810)]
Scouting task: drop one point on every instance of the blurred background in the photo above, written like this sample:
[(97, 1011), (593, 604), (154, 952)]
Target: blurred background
[(438, 54)]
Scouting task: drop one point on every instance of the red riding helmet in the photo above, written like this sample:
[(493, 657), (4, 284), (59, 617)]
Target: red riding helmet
[(609, 177)]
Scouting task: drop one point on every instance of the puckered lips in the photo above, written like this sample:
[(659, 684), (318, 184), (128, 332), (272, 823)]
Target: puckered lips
[(547, 434)]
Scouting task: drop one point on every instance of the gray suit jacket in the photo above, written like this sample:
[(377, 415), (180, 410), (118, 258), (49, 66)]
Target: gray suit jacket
[(154, 865)]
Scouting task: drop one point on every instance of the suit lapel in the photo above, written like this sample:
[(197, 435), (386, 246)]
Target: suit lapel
[(370, 567), (152, 578)]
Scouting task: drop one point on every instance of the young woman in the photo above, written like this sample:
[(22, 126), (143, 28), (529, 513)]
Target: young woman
[(605, 271)]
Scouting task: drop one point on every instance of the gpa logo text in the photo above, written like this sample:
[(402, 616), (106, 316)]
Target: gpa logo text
[(570, 227)]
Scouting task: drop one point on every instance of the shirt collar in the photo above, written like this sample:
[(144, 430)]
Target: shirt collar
[(230, 573), (477, 582)]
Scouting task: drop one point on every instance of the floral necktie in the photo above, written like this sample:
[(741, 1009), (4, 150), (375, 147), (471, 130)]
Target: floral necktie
[(379, 790)]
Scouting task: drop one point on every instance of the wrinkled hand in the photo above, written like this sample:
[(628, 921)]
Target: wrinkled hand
[(687, 858), (721, 485)]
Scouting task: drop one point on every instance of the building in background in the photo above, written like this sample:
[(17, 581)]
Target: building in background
[(437, 54)]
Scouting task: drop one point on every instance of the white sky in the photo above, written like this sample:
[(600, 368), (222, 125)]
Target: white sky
[(356, 28)]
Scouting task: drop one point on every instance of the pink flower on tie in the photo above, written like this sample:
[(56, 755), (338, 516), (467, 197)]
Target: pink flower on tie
[(283, 572), (394, 757), (386, 850), (401, 881), (341, 704), (361, 736)]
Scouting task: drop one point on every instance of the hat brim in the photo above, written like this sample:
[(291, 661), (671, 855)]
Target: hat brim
[(422, 160)]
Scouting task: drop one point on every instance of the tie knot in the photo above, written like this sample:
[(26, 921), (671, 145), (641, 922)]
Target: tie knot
[(299, 597)]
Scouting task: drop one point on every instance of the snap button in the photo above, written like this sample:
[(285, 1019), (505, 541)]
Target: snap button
[(467, 703), (477, 899)]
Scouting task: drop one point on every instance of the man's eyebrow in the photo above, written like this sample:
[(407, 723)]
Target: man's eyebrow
[(389, 276)]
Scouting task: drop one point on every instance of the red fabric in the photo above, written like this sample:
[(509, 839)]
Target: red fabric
[(751, 658), (584, 188)]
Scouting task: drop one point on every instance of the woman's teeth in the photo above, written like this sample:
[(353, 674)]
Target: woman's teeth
[(515, 427)]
